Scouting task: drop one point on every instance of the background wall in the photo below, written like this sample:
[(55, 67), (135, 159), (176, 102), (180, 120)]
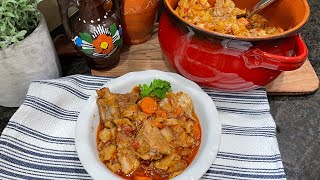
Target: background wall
[(50, 10)]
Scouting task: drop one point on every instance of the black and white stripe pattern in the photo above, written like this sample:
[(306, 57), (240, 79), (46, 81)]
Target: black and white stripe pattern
[(38, 142), (50, 108), (116, 37), (249, 131), (86, 45), (100, 30)]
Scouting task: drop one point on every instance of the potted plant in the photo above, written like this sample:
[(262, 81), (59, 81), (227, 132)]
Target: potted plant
[(26, 50)]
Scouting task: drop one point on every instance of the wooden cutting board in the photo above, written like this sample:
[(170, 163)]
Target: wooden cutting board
[(148, 56)]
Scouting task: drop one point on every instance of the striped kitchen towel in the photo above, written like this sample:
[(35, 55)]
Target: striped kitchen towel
[(38, 142)]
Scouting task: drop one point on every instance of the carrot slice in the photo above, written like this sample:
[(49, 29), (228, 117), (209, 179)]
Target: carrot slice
[(158, 124), (148, 105)]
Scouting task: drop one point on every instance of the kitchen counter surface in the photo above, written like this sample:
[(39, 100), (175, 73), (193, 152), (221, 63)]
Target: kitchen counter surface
[(297, 117)]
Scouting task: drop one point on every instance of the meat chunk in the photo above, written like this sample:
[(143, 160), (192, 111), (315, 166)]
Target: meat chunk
[(107, 105), (131, 111), (157, 144), (127, 100), (167, 161), (103, 92), (182, 138), (165, 105), (124, 121), (172, 164), (167, 133), (177, 105), (185, 102), (142, 149), (123, 139), (178, 166), (110, 105), (128, 161)]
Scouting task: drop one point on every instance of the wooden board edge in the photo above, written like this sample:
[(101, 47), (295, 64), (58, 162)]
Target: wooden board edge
[(312, 78)]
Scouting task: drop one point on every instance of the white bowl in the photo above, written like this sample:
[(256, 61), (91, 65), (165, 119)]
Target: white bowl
[(205, 109)]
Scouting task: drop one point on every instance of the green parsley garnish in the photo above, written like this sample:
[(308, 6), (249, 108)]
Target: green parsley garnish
[(158, 89)]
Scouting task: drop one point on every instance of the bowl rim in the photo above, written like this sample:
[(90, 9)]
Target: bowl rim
[(243, 38), (210, 141)]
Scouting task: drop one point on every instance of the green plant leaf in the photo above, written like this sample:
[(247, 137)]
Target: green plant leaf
[(21, 33), (3, 27), (14, 39), (11, 1), (9, 14), (18, 18), (86, 37), (118, 42), (87, 51), (28, 8), (145, 90), (158, 89), (113, 28)]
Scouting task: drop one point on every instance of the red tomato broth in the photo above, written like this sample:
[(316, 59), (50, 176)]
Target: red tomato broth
[(153, 174)]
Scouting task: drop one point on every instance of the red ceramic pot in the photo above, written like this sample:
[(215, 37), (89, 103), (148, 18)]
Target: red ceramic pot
[(232, 63)]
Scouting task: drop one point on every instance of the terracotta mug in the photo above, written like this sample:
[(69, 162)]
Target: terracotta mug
[(96, 31), (138, 18)]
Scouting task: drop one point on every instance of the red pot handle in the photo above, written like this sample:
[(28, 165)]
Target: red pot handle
[(255, 58)]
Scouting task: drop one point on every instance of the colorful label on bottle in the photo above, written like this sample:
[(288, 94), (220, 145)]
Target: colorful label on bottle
[(102, 42)]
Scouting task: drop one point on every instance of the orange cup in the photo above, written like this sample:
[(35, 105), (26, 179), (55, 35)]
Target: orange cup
[(138, 18)]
